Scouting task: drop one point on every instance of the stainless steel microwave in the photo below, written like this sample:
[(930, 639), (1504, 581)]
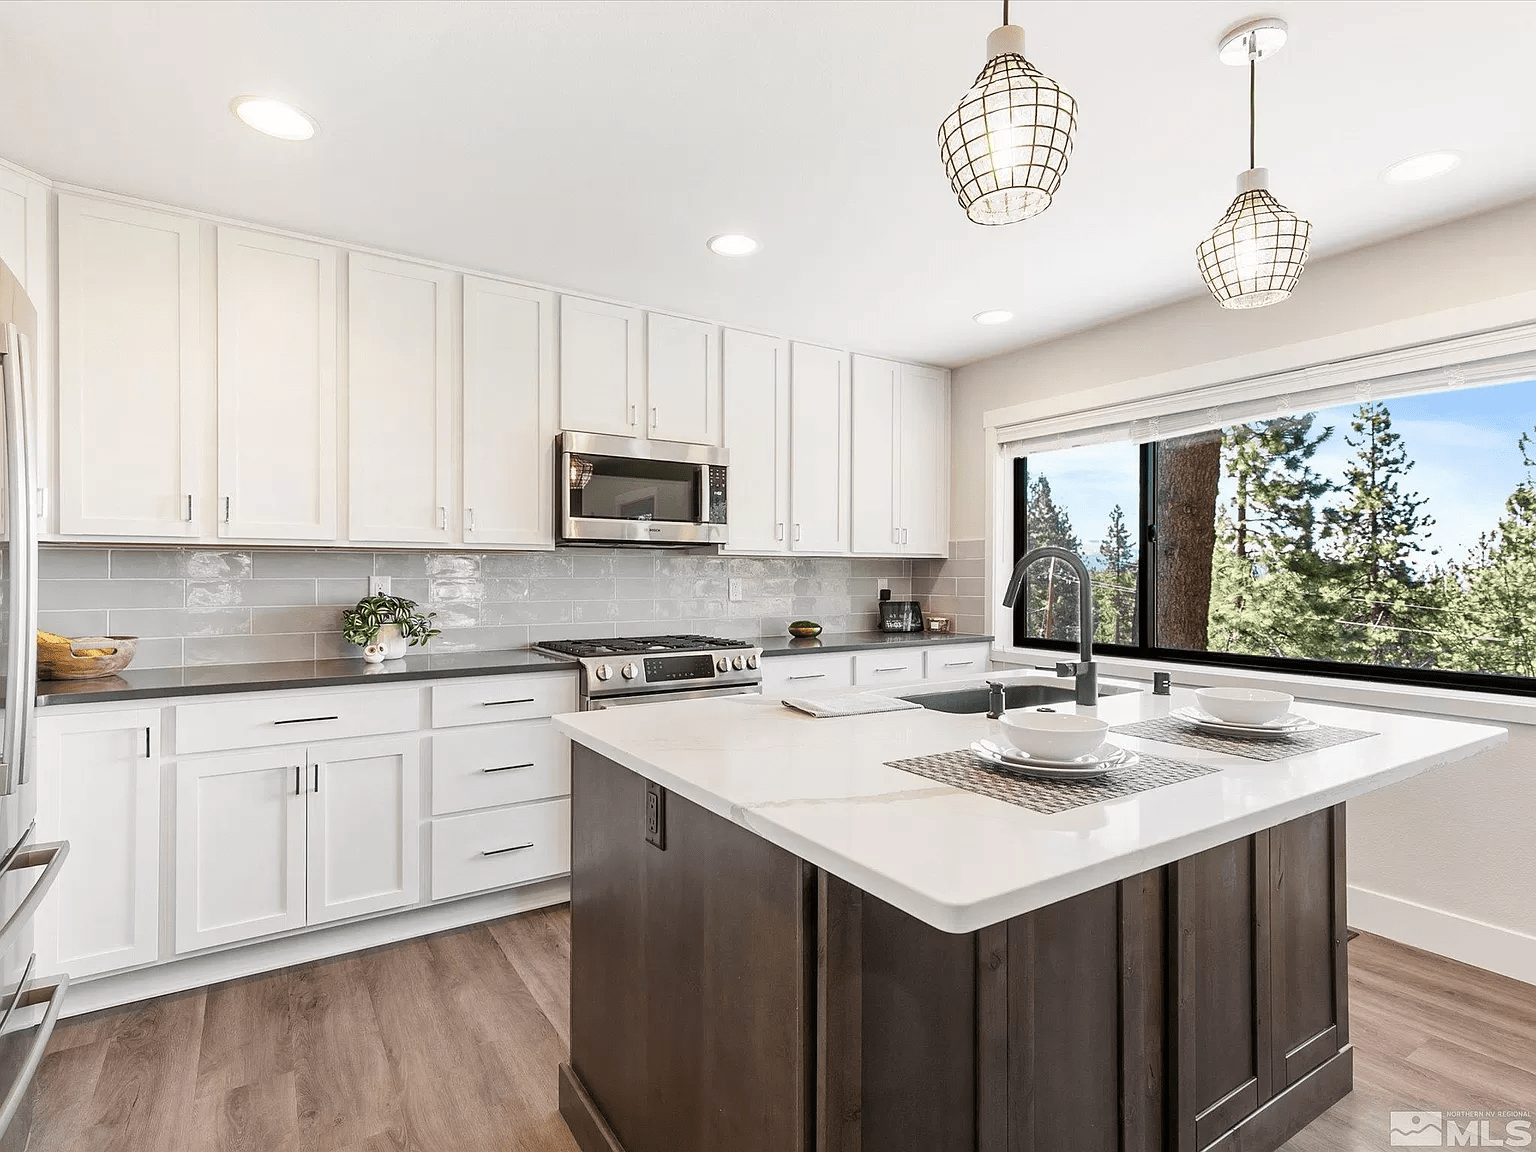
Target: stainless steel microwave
[(618, 490)]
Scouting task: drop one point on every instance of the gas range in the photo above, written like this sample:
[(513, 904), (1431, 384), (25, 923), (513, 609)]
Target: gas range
[(641, 669)]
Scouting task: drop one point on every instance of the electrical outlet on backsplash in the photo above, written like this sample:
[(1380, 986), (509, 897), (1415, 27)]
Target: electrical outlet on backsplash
[(210, 606)]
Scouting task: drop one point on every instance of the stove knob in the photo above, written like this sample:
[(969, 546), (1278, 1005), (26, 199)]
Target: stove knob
[(602, 671), (629, 671), (752, 660), (738, 663), (723, 664)]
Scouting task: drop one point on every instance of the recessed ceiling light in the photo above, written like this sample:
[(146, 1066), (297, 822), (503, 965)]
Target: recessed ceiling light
[(993, 316), (273, 117), (732, 244), (1425, 167)]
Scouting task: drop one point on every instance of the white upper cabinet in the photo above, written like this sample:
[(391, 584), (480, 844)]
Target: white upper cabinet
[(922, 455), (399, 400), (819, 449), (602, 367), (756, 387), (277, 387), (682, 380), (510, 394), (876, 525), (132, 385)]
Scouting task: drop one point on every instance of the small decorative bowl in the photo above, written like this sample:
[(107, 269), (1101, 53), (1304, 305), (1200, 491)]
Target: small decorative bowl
[(57, 661), (1054, 735), (805, 629), (1252, 706)]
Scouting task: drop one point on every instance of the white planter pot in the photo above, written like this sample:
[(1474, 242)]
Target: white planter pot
[(388, 645)]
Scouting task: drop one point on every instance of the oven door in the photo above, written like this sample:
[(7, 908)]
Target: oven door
[(668, 695), (616, 490)]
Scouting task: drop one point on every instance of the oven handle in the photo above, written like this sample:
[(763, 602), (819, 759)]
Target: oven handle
[(53, 994), (50, 858), (663, 697)]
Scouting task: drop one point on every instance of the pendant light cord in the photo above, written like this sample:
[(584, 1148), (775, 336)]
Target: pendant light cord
[(1253, 72), (1005, 11)]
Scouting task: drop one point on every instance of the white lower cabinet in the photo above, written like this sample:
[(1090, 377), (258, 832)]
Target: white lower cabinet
[(483, 850), (955, 661), (788, 675), (99, 788), (898, 666), (271, 841)]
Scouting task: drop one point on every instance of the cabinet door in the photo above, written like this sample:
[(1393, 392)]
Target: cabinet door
[(99, 788), (509, 414), (399, 400), (364, 828), (277, 387), (240, 833), (601, 367), (756, 390), (682, 380), (132, 386), (922, 461), (876, 528), (818, 449)]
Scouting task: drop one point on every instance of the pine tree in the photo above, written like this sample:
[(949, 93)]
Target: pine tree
[(1114, 589), (1050, 589), (1371, 537)]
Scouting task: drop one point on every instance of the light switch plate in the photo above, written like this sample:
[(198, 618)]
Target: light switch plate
[(378, 586)]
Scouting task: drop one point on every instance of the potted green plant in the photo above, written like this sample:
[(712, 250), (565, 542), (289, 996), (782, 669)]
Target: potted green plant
[(386, 626)]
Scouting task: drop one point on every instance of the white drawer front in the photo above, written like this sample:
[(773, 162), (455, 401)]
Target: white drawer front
[(787, 675), (953, 661), (491, 701), (507, 764), (901, 666), (504, 846), (296, 718)]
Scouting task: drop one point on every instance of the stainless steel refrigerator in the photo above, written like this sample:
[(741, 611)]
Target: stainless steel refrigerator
[(29, 1002)]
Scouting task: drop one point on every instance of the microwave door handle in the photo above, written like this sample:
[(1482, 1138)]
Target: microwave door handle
[(703, 516)]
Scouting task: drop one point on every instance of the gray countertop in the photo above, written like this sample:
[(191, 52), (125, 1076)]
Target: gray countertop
[(216, 679)]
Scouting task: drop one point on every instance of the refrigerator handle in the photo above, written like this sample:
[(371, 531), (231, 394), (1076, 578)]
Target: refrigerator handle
[(21, 560)]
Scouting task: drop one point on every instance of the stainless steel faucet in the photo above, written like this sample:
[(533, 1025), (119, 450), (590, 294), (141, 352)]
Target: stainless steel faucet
[(1085, 670)]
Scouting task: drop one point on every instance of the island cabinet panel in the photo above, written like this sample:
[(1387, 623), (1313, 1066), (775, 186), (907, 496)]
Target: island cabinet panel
[(691, 975)]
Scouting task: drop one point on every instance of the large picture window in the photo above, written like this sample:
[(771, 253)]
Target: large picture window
[(1392, 539)]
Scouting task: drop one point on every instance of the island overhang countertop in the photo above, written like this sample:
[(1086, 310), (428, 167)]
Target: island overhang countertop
[(959, 861)]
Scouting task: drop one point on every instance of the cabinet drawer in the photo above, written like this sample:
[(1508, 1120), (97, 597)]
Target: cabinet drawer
[(296, 718), (507, 764), (872, 669), (530, 697), (501, 847), (952, 661), (790, 674)]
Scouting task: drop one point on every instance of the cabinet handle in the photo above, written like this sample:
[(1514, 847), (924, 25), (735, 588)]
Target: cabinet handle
[(898, 668), (809, 676), (226, 509), (631, 415), (797, 533), (958, 663), (189, 507), (442, 517), (903, 535), (512, 848), (895, 535), (317, 779), (778, 530), (653, 419), (507, 767), (298, 787), (499, 703), (148, 752), (306, 720), (471, 512)]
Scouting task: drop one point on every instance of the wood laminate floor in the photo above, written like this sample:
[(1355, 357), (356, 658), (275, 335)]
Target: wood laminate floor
[(449, 1044)]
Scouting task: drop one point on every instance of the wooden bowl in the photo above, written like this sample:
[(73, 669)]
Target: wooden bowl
[(54, 662)]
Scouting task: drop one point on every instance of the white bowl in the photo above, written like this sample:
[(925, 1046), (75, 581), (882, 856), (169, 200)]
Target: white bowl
[(1244, 705), (1053, 735)]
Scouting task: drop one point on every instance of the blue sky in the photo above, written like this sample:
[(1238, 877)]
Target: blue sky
[(1464, 445)]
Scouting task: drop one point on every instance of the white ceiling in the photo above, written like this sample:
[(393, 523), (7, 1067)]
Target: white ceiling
[(596, 146)]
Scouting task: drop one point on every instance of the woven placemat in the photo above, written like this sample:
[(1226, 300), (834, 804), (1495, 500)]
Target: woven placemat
[(1171, 730), (963, 769)]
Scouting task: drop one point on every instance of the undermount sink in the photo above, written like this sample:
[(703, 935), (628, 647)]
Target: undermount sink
[(976, 700)]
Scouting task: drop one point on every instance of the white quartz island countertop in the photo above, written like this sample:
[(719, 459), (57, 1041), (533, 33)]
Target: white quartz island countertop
[(959, 861)]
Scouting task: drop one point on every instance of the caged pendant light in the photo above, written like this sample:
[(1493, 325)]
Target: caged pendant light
[(1255, 254), (1007, 143)]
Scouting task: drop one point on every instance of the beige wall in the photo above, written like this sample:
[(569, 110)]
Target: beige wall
[(1441, 861), (1464, 262)]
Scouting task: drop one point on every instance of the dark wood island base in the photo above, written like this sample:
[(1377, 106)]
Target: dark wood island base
[(727, 996)]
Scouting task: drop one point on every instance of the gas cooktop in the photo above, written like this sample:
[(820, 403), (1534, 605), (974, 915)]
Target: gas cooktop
[(637, 645), (627, 669)]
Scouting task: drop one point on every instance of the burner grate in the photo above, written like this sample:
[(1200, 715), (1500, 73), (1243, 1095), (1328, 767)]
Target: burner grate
[(638, 645)]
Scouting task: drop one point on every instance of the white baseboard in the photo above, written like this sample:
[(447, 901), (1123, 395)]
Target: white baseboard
[(1474, 942), (268, 955)]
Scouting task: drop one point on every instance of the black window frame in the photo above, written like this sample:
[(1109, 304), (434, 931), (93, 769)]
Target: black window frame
[(1146, 647)]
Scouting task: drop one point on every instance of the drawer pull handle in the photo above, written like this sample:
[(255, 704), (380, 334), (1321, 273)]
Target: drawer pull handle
[(809, 676), (508, 767), (499, 703), (958, 663), (306, 720), (898, 668), (513, 848)]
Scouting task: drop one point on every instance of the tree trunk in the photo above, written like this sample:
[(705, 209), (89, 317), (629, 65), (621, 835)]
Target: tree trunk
[(1188, 474)]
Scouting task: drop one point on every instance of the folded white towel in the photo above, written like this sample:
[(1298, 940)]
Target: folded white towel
[(848, 704)]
